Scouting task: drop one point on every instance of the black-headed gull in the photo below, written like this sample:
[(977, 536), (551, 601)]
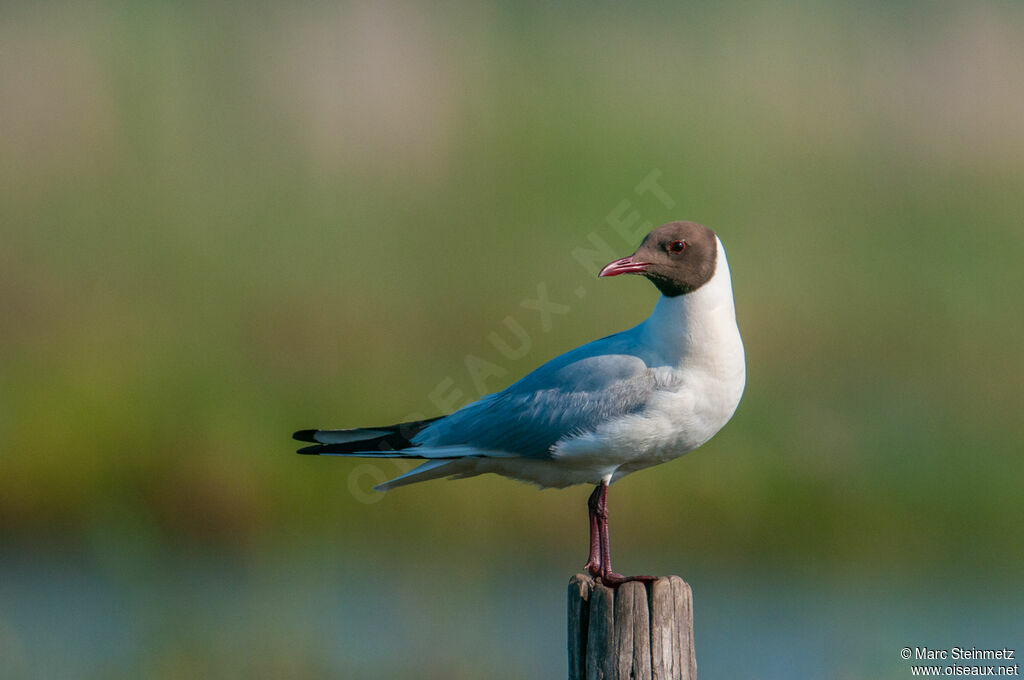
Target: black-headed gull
[(601, 411)]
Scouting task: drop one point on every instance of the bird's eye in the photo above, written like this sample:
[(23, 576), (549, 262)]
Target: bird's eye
[(677, 246)]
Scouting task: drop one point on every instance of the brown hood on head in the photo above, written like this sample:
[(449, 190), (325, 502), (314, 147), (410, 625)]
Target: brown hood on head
[(678, 258)]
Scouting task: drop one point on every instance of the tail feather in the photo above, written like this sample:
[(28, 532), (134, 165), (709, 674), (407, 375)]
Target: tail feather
[(431, 469), (387, 441), (365, 450), (339, 436), (395, 441), (427, 452)]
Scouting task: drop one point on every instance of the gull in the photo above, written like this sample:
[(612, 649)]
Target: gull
[(595, 414)]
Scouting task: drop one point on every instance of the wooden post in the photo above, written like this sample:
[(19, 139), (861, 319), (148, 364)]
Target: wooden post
[(631, 633)]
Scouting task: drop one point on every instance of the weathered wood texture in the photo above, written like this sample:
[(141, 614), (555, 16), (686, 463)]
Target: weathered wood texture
[(632, 633)]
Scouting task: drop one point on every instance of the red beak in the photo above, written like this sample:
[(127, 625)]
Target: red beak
[(624, 266)]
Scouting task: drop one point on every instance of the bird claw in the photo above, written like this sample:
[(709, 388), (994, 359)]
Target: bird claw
[(614, 580)]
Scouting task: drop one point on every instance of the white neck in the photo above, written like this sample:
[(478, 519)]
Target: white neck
[(699, 326)]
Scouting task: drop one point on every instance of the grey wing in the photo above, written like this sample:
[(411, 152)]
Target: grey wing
[(560, 399)]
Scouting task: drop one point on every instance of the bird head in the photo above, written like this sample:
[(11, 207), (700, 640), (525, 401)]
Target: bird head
[(678, 258)]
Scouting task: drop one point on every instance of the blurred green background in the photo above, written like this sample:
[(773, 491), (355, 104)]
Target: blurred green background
[(223, 222)]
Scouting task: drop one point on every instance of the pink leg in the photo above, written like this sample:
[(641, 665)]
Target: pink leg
[(593, 565), (608, 577)]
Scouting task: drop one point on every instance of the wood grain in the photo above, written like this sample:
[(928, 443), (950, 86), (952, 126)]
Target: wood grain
[(635, 632)]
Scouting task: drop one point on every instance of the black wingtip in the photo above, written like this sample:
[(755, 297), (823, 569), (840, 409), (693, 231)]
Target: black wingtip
[(305, 436), (310, 450)]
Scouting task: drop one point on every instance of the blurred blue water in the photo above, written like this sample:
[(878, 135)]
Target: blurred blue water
[(61, 617)]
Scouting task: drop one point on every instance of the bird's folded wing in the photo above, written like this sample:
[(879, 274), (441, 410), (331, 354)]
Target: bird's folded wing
[(566, 397)]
